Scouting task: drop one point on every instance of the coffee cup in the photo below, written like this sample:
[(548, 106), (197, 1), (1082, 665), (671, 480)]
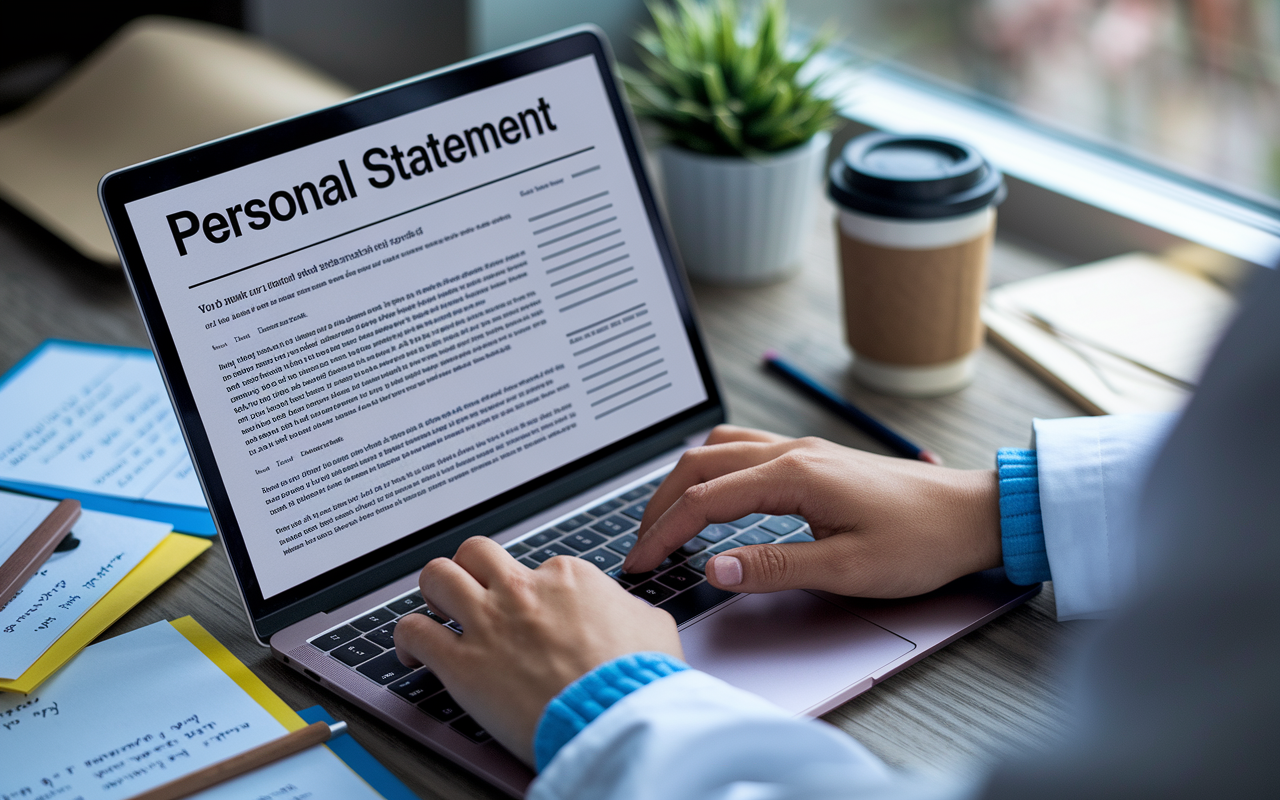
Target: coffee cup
[(916, 222)]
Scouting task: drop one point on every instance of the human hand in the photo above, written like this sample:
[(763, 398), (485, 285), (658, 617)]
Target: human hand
[(527, 634), (884, 527)]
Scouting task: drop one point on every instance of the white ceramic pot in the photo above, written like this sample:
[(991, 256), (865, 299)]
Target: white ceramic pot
[(739, 220)]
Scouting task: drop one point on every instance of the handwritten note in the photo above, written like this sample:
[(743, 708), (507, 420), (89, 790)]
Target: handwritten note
[(68, 584), (142, 709), (95, 419)]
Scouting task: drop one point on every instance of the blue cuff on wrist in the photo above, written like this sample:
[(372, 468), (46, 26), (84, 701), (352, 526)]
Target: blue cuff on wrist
[(1021, 527), (588, 697)]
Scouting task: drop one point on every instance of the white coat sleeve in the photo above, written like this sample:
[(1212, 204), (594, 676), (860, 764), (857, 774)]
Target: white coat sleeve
[(1091, 472), (690, 735)]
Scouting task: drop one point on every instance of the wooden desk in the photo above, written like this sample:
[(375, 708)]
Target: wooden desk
[(987, 694)]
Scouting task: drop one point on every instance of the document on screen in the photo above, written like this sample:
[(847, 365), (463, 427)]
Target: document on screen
[(387, 327)]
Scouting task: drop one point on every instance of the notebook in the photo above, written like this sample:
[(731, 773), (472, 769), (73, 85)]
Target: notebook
[(1127, 334)]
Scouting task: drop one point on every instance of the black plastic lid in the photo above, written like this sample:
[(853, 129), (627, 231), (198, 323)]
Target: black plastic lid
[(913, 177)]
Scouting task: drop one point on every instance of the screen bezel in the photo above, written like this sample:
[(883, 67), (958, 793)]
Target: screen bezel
[(362, 575)]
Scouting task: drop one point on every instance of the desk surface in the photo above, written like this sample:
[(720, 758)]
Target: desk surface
[(984, 695)]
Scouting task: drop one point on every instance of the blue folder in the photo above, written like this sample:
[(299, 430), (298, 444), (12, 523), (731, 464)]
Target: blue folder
[(360, 761)]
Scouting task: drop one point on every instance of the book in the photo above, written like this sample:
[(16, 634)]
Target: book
[(1126, 334)]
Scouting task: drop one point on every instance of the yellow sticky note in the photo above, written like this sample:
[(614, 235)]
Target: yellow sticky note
[(166, 560)]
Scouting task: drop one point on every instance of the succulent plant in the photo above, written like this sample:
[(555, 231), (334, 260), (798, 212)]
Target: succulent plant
[(713, 90)]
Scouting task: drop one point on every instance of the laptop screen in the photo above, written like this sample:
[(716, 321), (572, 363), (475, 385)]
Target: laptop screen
[(391, 326)]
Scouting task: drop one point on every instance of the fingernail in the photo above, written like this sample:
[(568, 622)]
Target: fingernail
[(728, 570)]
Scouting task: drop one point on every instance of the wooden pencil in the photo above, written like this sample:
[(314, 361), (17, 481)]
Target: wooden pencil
[(260, 756), (36, 549)]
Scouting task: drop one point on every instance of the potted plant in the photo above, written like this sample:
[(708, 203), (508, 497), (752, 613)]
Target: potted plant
[(745, 135)]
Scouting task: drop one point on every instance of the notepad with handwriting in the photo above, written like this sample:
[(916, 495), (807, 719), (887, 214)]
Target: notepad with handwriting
[(1127, 334), (136, 711), (93, 423), (76, 595)]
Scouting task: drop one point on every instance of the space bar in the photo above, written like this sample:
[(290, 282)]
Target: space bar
[(692, 602)]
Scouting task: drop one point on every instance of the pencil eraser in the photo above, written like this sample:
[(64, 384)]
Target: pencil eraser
[(770, 354)]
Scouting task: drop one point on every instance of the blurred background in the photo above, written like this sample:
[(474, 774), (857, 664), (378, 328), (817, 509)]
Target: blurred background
[(1191, 83)]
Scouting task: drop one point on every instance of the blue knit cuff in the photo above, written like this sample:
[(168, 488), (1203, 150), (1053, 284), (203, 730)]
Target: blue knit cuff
[(1021, 527), (588, 697)]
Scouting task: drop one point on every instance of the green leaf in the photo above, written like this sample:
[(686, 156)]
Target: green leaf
[(715, 89)]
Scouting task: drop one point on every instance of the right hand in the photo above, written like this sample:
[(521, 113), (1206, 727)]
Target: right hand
[(526, 633), (884, 527)]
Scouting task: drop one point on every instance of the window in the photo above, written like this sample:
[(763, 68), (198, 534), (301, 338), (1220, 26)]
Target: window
[(1193, 83)]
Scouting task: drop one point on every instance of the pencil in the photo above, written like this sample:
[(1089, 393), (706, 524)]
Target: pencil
[(260, 756), (36, 548), (852, 414)]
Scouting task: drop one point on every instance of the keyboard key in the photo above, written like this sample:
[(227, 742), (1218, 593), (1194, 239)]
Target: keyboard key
[(529, 562), (679, 578), (623, 544), (612, 526), (385, 668), (747, 521), (418, 686), (355, 653), (606, 507), (471, 729), (406, 604), (384, 636), (754, 536), (442, 707), (636, 510), (699, 562), (697, 600), (431, 615), (722, 547), (335, 637), (694, 545), (637, 493), (572, 524), (652, 591), (803, 536), (666, 564), (633, 578), (374, 619), (518, 549), (717, 533), (550, 551), (582, 541), (540, 539), (602, 558), (782, 525)]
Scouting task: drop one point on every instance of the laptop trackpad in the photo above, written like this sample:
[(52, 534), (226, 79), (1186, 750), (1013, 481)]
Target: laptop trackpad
[(791, 648)]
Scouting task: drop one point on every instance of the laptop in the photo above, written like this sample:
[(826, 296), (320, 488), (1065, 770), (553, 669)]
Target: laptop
[(448, 308)]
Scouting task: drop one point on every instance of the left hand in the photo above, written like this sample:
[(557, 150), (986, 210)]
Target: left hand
[(527, 634)]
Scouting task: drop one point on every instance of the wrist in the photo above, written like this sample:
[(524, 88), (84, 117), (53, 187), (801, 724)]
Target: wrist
[(980, 501)]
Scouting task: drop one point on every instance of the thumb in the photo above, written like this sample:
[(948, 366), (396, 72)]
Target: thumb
[(775, 567)]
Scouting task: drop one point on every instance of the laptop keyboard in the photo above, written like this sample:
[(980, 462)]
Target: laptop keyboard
[(602, 534)]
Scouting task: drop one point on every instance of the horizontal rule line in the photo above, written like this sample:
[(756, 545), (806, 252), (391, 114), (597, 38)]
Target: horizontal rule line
[(393, 216)]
